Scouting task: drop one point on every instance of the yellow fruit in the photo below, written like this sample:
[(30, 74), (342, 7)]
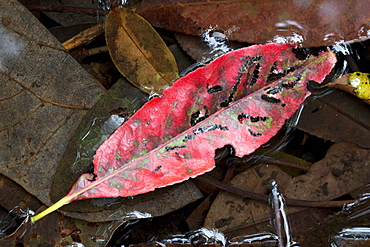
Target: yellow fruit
[(361, 81)]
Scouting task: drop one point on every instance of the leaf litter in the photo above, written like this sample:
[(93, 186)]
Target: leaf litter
[(140, 157), (341, 171)]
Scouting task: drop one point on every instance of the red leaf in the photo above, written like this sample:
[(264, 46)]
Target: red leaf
[(163, 143), (173, 138)]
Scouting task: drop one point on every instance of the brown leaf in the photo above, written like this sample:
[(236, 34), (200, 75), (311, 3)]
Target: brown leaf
[(138, 51), (318, 23), (327, 233), (43, 94), (337, 116), (344, 83), (341, 171)]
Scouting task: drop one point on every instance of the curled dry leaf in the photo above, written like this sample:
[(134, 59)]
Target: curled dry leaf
[(242, 98), (356, 83), (343, 170), (310, 23), (138, 51)]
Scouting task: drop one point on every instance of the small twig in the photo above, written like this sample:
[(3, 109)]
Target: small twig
[(351, 62), (278, 162), (95, 51), (277, 213), (265, 198), (84, 37)]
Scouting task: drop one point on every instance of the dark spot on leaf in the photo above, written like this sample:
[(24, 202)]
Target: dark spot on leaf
[(258, 118), (270, 99), (283, 105), (156, 169), (315, 110), (243, 116), (174, 147), (223, 222), (254, 78), (337, 172), (324, 188), (215, 89), (254, 134), (274, 75), (249, 61), (197, 118), (194, 117), (181, 156), (358, 74), (188, 137), (301, 53), (227, 102), (246, 200), (289, 84), (209, 128), (273, 90)]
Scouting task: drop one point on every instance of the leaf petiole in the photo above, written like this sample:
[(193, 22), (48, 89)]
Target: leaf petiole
[(65, 200)]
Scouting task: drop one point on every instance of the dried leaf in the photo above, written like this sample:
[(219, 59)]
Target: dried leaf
[(342, 170), (174, 137), (356, 83), (310, 23), (138, 51), (44, 92), (337, 116)]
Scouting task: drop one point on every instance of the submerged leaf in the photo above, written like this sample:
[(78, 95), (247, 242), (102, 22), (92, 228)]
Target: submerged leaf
[(43, 94), (343, 170), (309, 23), (242, 98), (138, 51)]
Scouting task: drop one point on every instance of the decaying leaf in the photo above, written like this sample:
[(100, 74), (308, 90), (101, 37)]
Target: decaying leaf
[(343, 169), (310, 23), (43, 94), (356, 83), (337, 116), (138, 51), (346, 228), (173, 138)]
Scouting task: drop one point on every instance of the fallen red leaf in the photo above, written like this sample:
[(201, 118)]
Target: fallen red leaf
[(242, 98)]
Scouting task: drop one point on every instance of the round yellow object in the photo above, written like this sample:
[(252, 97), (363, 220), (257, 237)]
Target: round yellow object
[(361, 81)]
